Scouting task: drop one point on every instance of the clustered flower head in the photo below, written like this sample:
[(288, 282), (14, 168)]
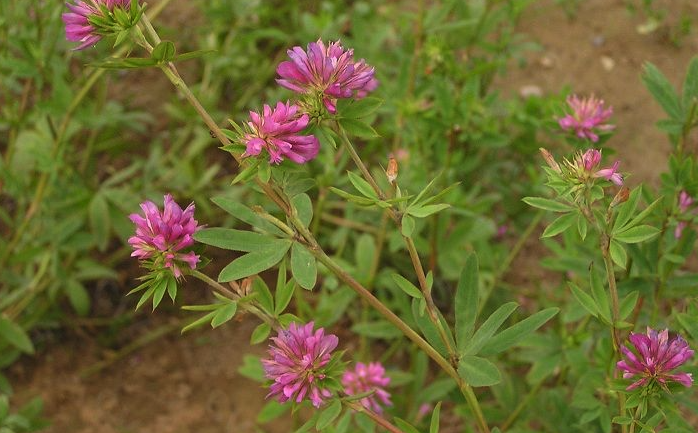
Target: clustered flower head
[(367, 378), (587, 163), (278, 131), (160, 236), (655, 356), (328, 71), (685, 202), (79, 22), (587, 115), (299, 364)]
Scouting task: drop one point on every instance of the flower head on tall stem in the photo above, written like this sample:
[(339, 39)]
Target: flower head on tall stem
[(161, 236), (367, 378), (588, 115), (299, 363), (655, 356), (278, 131), (80, 21), (586, 165), (329, 71)]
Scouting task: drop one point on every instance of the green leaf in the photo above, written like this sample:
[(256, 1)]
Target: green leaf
[(434, 425), (254, 262), (547, 204), (642, 215), (284, 294), (427, 328), (362, 185), (329, 415), (467, 300), (406, 286), (618, 254), (159, 290), (235, 240), (407, 226), (627, 305), (271, 411), (627, 209), (363, 201), (662, 90), (192, 55), (304, 206), (303, 266), (129, 63), (491, 325), (246, 215), (264, 296), (582, 226), (78, 297), (377, 329), (561, 224), (690, 84), (405, 426), (426, 210), (358, 108), (514, 334), (584, 299), (358, 128), (636, 234), (164, 52), (15, 335), (478, 371), (225, 313), (260, 333), (99, 220), (598, 291)]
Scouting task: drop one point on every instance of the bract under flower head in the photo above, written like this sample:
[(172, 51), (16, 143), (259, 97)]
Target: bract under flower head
[(278, 131), (160, 236), (78, 27), (587, 115), (298, 364), (329, 71), (367, 378), (655, 356)]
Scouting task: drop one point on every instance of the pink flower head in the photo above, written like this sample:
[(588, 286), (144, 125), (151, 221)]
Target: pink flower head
[(330, 71), (654, 357), (590, 159), (161, 235), (685, 202), (611, 174), (366, 378), (278, 131), (298, 364), (588, 114), (588, 163), (77, 22)]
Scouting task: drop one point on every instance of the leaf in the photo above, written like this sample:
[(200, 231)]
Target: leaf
[(483, 334), (15, 335), (434, 425), (378, 329), (192, 55), (304, 206), (224, 314), (164, 52), (560, 224), (584, 299), (406, 286), (362, 185), (264, 296), (329, 415), (618, 254), (245, 214), (303, 266), (363, 201), (405, 426), (284, 294), (582, 226), (547, 204), (642, 215), (235, 240), (636, 234), (260, 333), (600, 295), (514, 334), (358, 128), (478, 371), (627, 305), (427, 328), (662, 90), (627, 209), (159, 290), (78, 297), (129, 63), (407, 226), (426, 210), (271, 411), (254, 262), (358, 108), (690, 84), (99, 220), (467, 300)]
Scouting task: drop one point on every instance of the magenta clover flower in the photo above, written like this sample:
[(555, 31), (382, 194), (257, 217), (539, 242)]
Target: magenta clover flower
[(78, 27), (587, 115), (160, 236), (327, 71), (299, 363), (655, 356), (366, 378), (278, 131), (589, 161), (685, 202)]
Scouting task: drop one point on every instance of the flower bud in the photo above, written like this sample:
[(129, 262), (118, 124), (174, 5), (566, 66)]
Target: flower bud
[(392, 170)]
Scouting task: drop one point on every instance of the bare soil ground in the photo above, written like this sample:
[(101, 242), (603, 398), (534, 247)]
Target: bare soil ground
[(183, 384)]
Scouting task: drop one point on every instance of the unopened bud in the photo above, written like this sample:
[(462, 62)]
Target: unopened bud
[(391, 172), (621, 197), (550, 160)]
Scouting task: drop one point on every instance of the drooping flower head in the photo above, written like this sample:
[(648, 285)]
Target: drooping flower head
[(586, 165), (329, 71), (588, 115), (278, 131), (685, 202), (160, 236), (367, 378), (80, 22), (655, 356), (299, 363)]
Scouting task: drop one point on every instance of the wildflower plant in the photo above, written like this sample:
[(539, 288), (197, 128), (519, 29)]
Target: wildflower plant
[(461, 325)]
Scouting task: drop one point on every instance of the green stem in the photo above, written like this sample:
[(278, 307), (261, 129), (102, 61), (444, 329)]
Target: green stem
[(377, 419)]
